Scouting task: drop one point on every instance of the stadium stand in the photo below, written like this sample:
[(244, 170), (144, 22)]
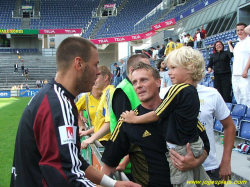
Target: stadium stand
[(6, 20)]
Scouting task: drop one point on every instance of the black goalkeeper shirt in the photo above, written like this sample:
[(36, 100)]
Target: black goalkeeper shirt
[(47, 150)]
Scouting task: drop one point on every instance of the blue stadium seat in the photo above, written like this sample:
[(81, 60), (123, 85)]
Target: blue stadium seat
[(245, 130), (238, 113)]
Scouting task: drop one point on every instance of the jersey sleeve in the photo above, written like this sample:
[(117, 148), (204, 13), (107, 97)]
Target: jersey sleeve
[(55, 130), (81, 104), (118, 145), (170, 101), (202, 133)]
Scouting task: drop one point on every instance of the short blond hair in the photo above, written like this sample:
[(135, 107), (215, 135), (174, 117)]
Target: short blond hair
[(105, 71), (190, 59)]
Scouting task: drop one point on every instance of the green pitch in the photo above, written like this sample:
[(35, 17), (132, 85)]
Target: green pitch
[(11, 110)]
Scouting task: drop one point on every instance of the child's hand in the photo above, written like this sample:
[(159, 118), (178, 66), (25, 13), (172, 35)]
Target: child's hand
[(128, 116)]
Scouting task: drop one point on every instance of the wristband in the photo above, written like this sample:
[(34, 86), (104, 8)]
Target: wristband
[(107, 181)]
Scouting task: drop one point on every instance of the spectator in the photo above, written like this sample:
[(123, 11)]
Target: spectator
[(102, 120), (21, 86), (154, 53), (45, 81), (241, 65), (22, 68), (170, 47), (197, 39), (185, 39), (147, 148), (38, 83), (117, 75), (190, 41), (123, 69), (212, 105), (181, 108), (161, 51), (49, 125), (27, 87), (204, 35), (165, 79), (26, 74), (15, 67), (219, 63), (146, 53), (178, 44)]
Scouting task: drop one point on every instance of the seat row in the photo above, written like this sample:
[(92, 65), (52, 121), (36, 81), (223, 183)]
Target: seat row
[(241, 117)]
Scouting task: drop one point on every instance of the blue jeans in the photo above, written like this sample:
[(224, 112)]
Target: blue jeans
[(117, 80)]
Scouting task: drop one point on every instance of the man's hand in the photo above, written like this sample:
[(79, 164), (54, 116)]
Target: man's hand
[(244, 74), (225, 171), (126, 184), (128, 116), (86, 142), (83, 133), (188, 162)]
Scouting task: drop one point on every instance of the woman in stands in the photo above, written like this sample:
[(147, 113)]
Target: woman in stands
[(219, 63)]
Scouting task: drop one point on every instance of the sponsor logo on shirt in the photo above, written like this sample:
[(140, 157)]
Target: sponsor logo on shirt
[(146, 133), (67, 134)]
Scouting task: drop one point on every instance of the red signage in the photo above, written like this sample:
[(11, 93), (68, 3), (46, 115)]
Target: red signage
[(124, 38), (60, 31), (109, 6), (164, 24)]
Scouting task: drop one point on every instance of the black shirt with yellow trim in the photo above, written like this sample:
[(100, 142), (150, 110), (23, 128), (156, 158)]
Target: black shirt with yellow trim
[(180, 108), (146, 147)]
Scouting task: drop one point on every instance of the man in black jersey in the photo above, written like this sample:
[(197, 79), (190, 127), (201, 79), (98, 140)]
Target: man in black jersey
[(47, 150), (145, 143)]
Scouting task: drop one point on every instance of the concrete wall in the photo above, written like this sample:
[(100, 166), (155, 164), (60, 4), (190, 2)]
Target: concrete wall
[(24, 41), (109, 54)]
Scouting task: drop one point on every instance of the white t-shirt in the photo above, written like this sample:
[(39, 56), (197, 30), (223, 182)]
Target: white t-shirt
[(198, 37), (211, 104), (155, 53), (241, 56), (165, 78)]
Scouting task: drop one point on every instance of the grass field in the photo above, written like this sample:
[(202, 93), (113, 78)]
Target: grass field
[(11, 110)]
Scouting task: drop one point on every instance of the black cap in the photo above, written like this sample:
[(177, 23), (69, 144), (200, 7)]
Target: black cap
[(115, 64)]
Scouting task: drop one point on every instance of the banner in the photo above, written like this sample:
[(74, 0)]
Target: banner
[(18, 31), (164, 24), (109, 6), (28, 93), (124, 38), (4, 94), (60, 31)]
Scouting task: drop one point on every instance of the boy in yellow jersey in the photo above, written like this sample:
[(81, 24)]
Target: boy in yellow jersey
[(102, 117), (181, 108), (88, 102), (170, 47)]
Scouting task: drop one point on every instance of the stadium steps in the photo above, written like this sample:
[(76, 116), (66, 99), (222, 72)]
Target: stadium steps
[(98, 26), (240, 166), (40, 67)]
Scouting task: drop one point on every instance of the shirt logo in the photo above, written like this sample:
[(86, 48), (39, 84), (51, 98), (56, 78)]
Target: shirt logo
[(146, 133), (67, 134)]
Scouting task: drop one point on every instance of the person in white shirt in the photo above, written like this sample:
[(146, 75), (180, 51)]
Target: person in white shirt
[(241, 65), (212, 104)]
